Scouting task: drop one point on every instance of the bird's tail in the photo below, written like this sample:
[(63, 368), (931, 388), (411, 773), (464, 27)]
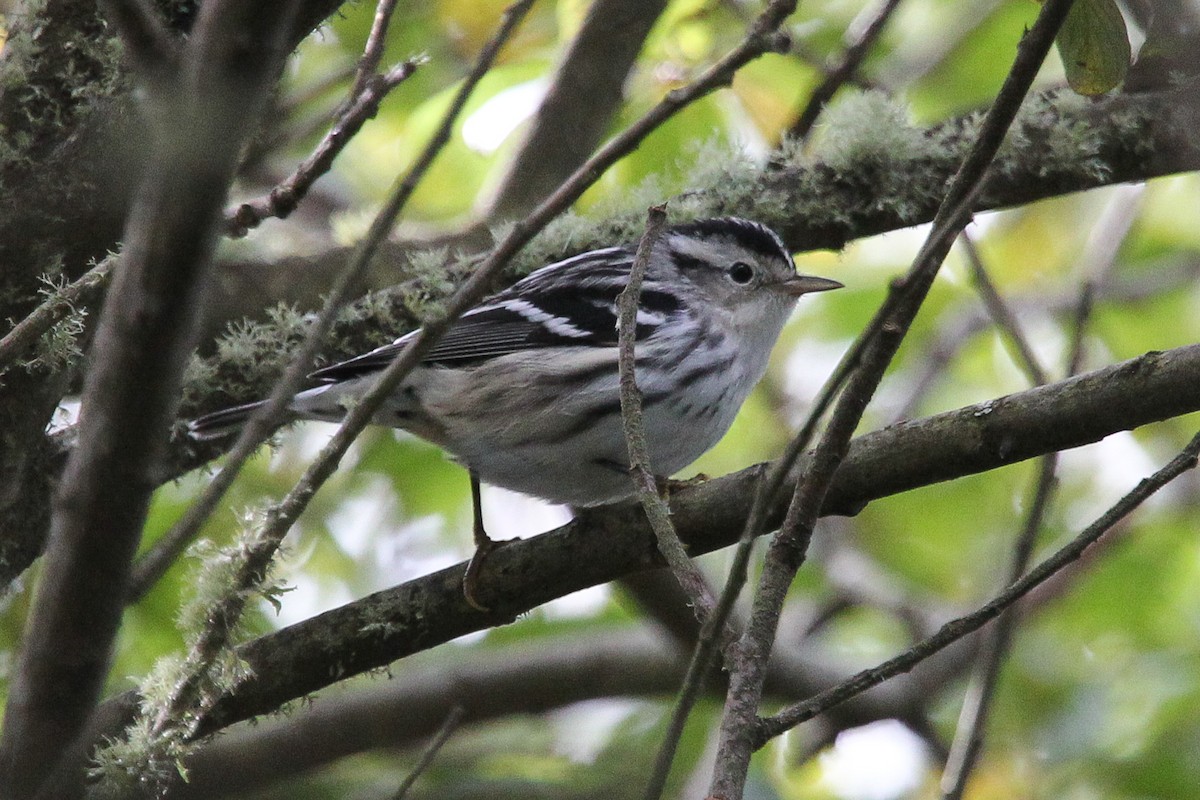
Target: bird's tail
[(221, 423)]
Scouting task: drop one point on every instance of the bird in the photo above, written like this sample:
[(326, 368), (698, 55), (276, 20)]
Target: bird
[(523, 388)]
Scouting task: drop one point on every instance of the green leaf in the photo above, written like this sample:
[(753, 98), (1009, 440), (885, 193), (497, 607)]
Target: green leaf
[(1094, 46)]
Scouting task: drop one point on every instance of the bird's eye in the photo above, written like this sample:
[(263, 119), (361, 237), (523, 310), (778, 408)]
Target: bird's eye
[(741, 273)]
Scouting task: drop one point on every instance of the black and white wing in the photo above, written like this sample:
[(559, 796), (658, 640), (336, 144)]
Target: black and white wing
[(571, 303)]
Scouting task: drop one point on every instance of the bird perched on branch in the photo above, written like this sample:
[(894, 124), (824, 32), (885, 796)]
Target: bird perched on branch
[(523, 389)]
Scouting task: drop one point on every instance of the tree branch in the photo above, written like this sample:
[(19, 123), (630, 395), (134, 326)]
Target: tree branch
[(604, 544), (141, 348), (56, 308), (879, 343), (1066, 146), (957, 628), (820, 205), (494, 683), (579, 104)]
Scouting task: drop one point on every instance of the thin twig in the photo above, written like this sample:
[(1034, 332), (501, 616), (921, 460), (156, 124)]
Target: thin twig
[(283, 199), (766, 491), (954, 630), (1001, 314), (372, 55), (773, 481), (658, 513), (256, 556), (453, 720), (841, 74), (1098, 261), (972, 721), (977, 703), (787, 550), (763, 35), (714, 632), (761, 40), (154, 564), (57, 307)]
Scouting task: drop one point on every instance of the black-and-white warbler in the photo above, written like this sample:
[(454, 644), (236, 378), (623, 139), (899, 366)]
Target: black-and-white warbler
[(523, 389)]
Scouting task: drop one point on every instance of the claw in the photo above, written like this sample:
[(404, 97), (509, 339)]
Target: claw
[(474, 568)]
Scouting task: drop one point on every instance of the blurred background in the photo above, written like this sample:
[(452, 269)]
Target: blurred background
[(1100, 696)]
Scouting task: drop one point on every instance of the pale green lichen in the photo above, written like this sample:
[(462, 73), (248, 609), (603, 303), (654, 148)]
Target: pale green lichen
[(179, 691), (867, 158), (52, 78), (867, 140), (139, 765), (864, 128), (425, 292), (58, 348), (1050, 137)]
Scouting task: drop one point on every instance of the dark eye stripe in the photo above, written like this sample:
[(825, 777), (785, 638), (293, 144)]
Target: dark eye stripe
[(659, 301), (688, 262)]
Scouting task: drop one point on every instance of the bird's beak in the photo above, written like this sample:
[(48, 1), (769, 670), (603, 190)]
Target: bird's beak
[(805, 284)]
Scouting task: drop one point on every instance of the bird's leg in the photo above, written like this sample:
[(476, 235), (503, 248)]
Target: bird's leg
[(484, 545)]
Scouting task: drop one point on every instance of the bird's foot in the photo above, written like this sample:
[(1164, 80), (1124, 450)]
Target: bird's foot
[(484, 547)]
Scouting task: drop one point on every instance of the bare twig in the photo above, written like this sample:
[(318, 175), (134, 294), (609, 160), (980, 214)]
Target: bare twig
[(56, 308), (962, 626), (842, 73), (152, 566), (132, 388), (453, 720), (658, 513), (256, 557), (368, 64), (1001, 314), (606, 544), (775, 477), (787, 550), (283, 199)]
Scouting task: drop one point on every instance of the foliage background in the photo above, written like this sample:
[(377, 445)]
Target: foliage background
[(1100, 695)]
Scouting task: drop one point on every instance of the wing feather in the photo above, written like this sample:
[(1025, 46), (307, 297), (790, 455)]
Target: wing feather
[(552, 307)]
